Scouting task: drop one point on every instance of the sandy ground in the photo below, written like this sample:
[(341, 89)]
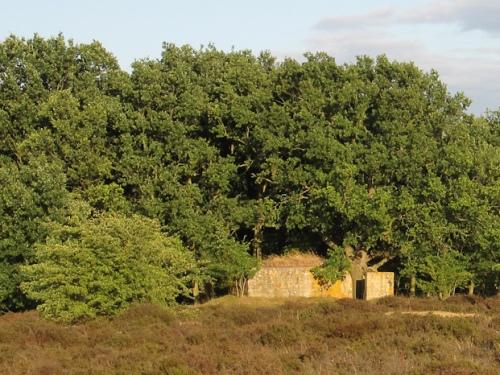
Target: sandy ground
[(443, 314)]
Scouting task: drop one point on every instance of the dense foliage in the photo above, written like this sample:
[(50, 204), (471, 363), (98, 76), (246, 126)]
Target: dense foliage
[(239, 156), (99, 266), (333, 268)]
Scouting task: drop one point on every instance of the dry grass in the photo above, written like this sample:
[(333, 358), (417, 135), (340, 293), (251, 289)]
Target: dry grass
[(293, 259), (258, 336)]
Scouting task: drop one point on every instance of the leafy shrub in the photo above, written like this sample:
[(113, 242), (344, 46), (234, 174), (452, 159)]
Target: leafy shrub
[(333, 268), (100, 266), (442, 274)]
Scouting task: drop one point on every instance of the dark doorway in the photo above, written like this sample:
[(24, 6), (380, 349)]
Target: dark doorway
[(360, 289)]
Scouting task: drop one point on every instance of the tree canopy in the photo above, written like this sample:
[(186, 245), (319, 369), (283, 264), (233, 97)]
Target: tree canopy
[(239, 155), (99, 266)]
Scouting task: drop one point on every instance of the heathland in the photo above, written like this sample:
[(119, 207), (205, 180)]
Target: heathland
[(233, 335)]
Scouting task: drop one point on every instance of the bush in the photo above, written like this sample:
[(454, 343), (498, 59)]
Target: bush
[(280, 335), (333, 269), (100, 266), (442, 274)]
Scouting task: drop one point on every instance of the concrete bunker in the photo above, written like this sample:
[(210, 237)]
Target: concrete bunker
[(288, 277)]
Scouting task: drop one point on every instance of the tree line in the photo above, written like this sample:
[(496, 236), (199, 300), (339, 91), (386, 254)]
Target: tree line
[(170, 182)]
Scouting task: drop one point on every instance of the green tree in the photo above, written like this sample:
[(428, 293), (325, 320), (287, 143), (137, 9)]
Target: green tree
[(99, 266), (30, 195), (443, 273), (236, 153)]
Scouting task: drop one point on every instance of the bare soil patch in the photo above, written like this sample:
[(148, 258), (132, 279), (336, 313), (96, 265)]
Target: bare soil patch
[(442, 314)]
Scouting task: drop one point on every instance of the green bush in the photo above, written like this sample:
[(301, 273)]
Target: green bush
[(101, 265), (442, 274), (333, 269)]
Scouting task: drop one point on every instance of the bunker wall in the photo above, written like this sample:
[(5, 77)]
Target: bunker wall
[(294, 282)]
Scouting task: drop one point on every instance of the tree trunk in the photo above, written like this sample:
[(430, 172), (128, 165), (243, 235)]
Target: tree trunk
[(472, 286), (236, 288), (258, 237), (258, 229), (359, 265), (241, 286), (413, 285), (196, 292), (357, 274)]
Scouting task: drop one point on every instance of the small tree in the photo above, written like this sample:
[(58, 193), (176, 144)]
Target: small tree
[(441, 274), (333, 269), (100, 266)]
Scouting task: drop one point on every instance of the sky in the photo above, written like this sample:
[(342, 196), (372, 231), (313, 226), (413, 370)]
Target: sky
[(458, 38)]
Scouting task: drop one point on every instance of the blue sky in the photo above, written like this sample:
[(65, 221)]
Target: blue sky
[(458, 38)]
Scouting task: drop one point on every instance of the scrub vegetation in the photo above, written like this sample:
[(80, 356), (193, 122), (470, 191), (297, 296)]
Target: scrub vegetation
[(251, 336)]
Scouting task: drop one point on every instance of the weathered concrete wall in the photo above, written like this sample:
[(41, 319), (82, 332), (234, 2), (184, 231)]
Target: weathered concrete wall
[(379, 284), (280, 282), (341, 289), (294, 282)]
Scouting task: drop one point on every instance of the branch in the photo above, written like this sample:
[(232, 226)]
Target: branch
[(303, 193), (379, 264), (328, 242)]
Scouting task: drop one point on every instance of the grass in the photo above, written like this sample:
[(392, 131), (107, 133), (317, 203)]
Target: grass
[(294, 258), (259, 336)]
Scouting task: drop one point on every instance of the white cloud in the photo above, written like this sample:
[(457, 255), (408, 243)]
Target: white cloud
[(345, 46), (378, 17), (477, 76), (481, 15), (469, 15), (467, 60)]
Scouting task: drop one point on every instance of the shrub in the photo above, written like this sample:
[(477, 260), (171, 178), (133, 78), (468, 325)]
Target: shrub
[(333, 269), (280, 335), (100, 266), (442, 274)]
